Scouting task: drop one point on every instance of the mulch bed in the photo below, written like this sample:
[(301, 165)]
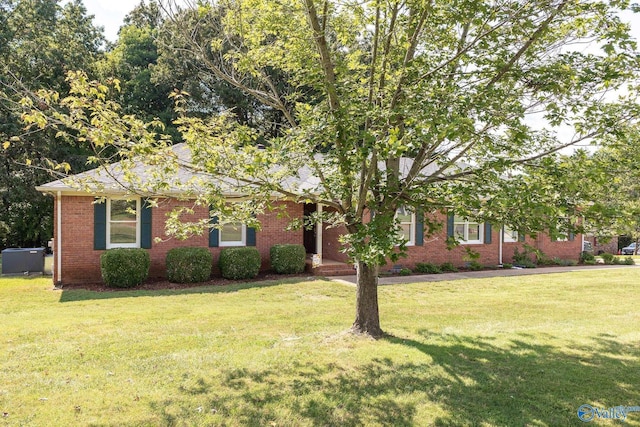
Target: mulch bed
[(163, 284)]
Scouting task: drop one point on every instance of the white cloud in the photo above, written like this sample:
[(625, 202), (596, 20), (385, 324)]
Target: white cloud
[(109, 14)]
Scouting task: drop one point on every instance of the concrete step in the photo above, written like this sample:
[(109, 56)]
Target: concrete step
[(330, 268), (333, 270)]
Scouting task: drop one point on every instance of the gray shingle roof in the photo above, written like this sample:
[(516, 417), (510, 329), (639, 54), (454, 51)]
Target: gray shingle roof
[(171, 174)]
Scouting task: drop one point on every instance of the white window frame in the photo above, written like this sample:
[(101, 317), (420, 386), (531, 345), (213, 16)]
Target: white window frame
[(412, 226), (123, 245), (464, 239), (242, 242), (508, 235)]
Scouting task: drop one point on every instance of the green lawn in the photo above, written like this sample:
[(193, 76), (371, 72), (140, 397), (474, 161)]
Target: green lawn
[(504, 351)]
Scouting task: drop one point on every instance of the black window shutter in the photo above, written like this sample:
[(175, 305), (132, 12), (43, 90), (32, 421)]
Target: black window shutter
[(520, 236), (419, 238), (450, 218), (251, 236), (487, 233), (100, 226), (145, 225), (214, 234)]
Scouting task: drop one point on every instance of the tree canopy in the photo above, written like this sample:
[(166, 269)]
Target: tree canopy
[(433, 106), (39, 42), (132, 60)]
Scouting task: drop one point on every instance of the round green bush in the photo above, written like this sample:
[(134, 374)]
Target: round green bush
[(448, 267), (239, 263), (288, 259), (124, 268), (427, 268), (475, 266), (586, 257), (189, 265), (608, 258)]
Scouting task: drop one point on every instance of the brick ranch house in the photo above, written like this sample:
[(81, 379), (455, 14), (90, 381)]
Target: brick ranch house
[(84, 228)]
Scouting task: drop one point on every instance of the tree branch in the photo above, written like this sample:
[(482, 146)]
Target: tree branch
[(325, 57), (535, 36), (409, 54)]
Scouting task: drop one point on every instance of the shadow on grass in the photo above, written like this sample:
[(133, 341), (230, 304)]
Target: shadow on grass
[(73, 295), (459, 381)]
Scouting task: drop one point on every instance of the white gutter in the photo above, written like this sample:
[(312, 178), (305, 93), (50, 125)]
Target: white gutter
[(58, 249)]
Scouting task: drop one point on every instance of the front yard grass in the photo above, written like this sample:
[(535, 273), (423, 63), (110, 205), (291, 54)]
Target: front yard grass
[(485, 352)]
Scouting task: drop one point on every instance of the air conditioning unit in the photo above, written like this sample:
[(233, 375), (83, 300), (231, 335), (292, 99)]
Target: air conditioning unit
[(22, 260)]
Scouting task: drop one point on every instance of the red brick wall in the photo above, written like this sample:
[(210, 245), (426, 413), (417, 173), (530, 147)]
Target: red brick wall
[(564, 250), (331, 244), (81, 263), (435, 249)]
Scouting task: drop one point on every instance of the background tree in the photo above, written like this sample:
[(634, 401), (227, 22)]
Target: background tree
[(39, 41), (132, 60), (607, 181), (426, 105), (184, 44)]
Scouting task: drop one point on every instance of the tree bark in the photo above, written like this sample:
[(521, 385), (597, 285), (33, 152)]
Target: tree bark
[(367, 315)]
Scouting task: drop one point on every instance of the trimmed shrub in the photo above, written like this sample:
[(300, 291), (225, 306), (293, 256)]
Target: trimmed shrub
[(475, 266), (526, 264), (623, 261), (586, 257), (448, 267), (239, 263), (607, 258), (124, 268), (427, 268), (545, 261), (523, 258), (189, 265), (507, 266), (404, 272), (287, 259)]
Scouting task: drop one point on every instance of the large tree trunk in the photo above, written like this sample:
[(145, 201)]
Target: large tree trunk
[(367, 316)]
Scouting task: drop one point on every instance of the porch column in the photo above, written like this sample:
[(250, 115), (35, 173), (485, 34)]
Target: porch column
[(501, 240), (57, 269), (319, 233)]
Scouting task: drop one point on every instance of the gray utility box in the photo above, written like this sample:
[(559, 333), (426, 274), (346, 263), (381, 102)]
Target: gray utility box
[(22, 260)]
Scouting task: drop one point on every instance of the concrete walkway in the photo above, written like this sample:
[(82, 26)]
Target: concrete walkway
[(395, 279)]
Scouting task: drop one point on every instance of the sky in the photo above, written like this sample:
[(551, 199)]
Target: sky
[(110, 13)]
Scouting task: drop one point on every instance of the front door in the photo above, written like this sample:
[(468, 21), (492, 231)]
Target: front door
[(310, 234)]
